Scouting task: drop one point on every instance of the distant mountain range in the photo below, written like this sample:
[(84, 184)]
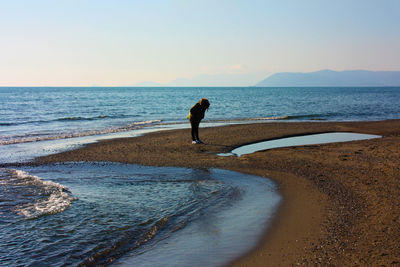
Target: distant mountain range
[(333, 78), (210, 80)]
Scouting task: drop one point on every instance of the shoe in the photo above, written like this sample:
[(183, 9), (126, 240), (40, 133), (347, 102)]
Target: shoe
[(200, 142), (194, 142)]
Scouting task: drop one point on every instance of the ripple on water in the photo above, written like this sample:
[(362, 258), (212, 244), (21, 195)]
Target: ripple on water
[(132, 214)]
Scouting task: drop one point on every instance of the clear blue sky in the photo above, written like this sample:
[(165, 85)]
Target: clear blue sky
[(121, 42)]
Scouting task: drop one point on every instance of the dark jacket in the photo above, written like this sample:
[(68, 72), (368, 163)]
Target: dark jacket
[(197, 112)]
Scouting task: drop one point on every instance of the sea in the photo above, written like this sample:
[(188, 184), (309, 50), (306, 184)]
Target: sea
[(105, 213)]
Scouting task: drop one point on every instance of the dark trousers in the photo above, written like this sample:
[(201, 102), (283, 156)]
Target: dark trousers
[(195, 129)]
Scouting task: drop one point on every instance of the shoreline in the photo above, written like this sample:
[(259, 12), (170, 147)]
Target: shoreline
[(334, 212)]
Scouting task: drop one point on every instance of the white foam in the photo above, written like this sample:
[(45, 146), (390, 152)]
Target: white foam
[(269, 118), (27, 139), (139, 123), (57, 201)]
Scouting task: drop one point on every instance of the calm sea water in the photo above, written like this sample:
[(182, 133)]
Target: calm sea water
[(109, 213), (31, 114)]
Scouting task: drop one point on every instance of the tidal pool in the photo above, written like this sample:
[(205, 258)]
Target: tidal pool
[(311, 139)]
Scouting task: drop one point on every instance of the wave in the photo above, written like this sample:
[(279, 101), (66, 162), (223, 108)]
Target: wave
[(310, 116), (279, 118), (141, 124), (205, 196), (127, 243), (39, 197), (21, 123), (100, 117), (248, 119), (135, 124), (72, 118), (38, 137), (269, 118), (80, 118), (300, 116)]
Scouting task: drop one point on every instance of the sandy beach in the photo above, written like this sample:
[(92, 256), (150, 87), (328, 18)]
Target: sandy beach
[(340, 201)]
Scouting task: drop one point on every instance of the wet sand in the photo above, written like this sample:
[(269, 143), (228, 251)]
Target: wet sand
[(341, 201)]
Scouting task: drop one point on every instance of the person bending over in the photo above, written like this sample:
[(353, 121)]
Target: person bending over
[(196, 114)]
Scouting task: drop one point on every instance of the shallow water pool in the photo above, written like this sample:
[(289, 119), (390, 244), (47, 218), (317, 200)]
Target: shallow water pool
[(312, 139)]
